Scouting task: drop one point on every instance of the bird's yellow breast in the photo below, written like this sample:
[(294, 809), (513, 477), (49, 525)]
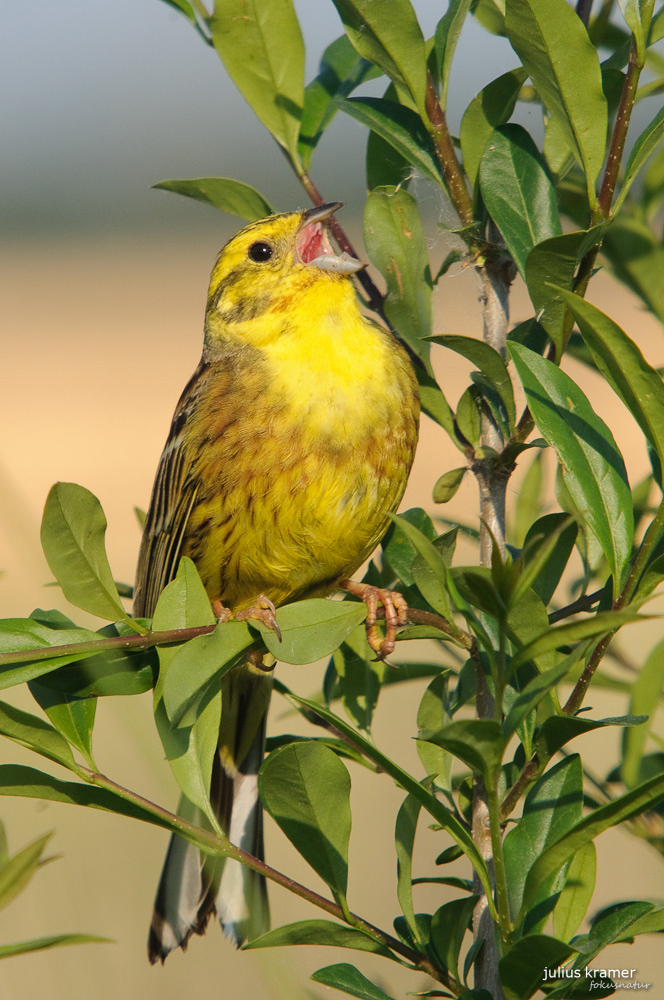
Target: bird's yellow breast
[(300, 486)]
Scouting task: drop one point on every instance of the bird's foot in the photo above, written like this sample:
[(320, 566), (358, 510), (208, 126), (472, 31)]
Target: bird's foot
[(262, 610), (220, 611), (396, 613)]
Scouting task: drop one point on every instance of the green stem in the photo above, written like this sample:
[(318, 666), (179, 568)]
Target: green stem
[(221, 847), (502, 897)]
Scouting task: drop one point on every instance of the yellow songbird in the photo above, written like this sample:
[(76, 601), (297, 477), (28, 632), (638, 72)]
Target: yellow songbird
[(291, 444)]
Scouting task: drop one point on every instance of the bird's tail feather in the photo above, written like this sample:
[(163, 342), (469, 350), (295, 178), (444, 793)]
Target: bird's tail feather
[(193, 886)]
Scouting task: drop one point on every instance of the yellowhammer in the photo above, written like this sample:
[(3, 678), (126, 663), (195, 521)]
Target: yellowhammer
[(290, 445)]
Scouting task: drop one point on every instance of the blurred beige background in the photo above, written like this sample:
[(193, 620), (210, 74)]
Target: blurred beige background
[(101, 306)]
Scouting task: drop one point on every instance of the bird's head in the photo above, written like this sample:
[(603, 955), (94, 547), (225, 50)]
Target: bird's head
[(266, 268)]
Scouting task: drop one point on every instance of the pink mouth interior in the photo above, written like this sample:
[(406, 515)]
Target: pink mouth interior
[(312, 243)]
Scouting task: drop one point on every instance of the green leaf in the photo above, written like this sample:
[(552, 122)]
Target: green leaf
[(404, 837), (617, 811), (349, 980), (390, 36), (522, 968), (261, 47), (646, 697), (436, 582), (201, 662), (556, 636), (489, 362), (622, 364), (546, 551), (398, 550), (593, 468), (41, 944), (305, 787), (408, 783), (610, 925), (16, 872), (577, 893), (224, 193), (637, 259), (469, 416), (399, 126), (395, 243), (27, 782), (434, 404), (359, 678), (558, 730), (312, 629), (72, 536), (19, 635), (643, 148), (552, 262), (448, 30), (32, 732), (552, 807), (477, 742), (434, 714), (384, 165), (71, 716), (319, 932), (449, 925), (189, 749), (493, 106), (553, 45), (341, 71), (532, 694), (517, 192), (447, 485), (111, 672)]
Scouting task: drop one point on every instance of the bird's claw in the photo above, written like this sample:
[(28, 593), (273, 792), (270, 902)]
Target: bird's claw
[(262, 610), (396, 614)]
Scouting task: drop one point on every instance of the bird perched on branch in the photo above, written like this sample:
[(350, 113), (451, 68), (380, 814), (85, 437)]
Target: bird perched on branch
[(289, 447)]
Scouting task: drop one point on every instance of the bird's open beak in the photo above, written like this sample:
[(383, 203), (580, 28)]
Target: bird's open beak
[(313, 247)]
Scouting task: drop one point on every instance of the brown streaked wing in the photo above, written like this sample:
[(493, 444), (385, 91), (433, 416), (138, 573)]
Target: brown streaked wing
[(173, 496)]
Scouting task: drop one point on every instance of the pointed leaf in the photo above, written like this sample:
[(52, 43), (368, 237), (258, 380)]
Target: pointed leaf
[(17, 871), (577, 893), (390, 36), (318, 932), (72, 536), (553, 45), (643, 148), (395, 243), (622, 364), (448, 484), (546, 551), (493, 106), (646, 697), (203, 661), (552, 807), (223, 193), (446, 38), (404, 836), (522, 968), (73, 717), (633, 803), (32, 732), (349, 980), (558, 730), (56, 941), (305, 787), (517, 192), (311, 629), (637, 259), (554, 261), (261, 47), (593, 468), (488, 361), (399, 126), (449, 925), (477, 742)]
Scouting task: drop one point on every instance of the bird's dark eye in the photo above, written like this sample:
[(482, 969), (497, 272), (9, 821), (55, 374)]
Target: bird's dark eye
[(260, 251)]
